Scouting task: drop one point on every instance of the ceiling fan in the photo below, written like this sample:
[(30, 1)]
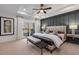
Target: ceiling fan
[(42, 9)]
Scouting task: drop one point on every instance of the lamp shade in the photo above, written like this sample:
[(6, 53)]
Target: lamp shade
[(73, 26), (43, 27)]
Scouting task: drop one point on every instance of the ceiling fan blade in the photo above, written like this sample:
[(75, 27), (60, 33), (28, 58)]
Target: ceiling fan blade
[(41, 5), (47, 8), (36, 9), (38, 12), (44, 11)]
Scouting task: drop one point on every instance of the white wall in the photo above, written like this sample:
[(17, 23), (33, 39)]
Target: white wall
[(37, 25), (9, 37), (18, 25), (18, 34)]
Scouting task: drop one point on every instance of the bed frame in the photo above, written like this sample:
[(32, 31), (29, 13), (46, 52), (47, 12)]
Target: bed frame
[(57, 29), (45, 45)]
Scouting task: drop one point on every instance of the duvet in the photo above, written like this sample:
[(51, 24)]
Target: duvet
[(50, 37)]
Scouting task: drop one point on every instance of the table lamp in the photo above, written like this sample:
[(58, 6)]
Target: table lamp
[(73, 27)]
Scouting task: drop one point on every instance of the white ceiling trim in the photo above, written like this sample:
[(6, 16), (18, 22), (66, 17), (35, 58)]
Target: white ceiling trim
[(62, 10), (12, 9)]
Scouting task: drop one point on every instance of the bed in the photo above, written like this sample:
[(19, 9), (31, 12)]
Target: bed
[(54, 36)]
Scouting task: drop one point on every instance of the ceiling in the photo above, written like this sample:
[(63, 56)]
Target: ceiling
[(29, 13)]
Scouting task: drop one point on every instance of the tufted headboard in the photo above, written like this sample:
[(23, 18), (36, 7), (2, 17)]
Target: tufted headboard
[(58, 29)]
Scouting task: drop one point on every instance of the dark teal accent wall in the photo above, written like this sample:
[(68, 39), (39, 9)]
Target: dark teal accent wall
[(67, 19)]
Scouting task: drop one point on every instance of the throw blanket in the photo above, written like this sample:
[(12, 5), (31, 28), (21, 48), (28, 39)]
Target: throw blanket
[(57, 41)]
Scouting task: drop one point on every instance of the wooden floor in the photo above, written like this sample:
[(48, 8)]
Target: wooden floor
[(20, 47)]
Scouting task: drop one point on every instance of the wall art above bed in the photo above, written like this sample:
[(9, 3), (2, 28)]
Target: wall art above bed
[(6, 26)]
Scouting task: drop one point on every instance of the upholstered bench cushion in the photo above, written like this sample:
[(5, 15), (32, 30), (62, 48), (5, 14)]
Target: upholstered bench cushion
[(33, 39)]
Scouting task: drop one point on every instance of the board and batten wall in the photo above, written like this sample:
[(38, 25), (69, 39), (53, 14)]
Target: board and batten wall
[(69, 18)]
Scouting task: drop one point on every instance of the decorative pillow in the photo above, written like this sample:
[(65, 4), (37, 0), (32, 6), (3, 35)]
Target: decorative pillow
[(55, 33), (60, 32), (50, 31)]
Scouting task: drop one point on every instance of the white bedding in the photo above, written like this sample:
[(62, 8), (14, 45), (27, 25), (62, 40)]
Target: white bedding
[(35, 40), (57, 41)]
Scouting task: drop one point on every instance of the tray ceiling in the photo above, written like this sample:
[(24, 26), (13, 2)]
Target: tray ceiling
[(14, 9)]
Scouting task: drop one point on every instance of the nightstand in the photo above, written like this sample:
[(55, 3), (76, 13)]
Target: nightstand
[(71, 36)]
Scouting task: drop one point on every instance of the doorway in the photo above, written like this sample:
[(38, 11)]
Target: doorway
[(28, 29)]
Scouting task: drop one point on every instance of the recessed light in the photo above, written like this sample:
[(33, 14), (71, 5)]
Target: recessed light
[(24, 9)]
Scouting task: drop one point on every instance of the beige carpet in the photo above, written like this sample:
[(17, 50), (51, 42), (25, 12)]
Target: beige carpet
[(20, 47)]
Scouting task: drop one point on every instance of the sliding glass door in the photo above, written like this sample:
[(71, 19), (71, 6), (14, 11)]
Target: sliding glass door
[(31, 28), (28, 29)]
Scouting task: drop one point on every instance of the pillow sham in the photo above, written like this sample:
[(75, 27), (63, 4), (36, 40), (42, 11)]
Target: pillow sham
[(60, 32)]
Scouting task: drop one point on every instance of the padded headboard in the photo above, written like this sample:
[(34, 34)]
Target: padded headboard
[(61, 29)]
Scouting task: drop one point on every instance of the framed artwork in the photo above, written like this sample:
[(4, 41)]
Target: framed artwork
[(7, 26)]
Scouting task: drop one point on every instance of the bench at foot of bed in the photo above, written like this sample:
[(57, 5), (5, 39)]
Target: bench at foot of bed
[(37, 42), (41, 44)]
